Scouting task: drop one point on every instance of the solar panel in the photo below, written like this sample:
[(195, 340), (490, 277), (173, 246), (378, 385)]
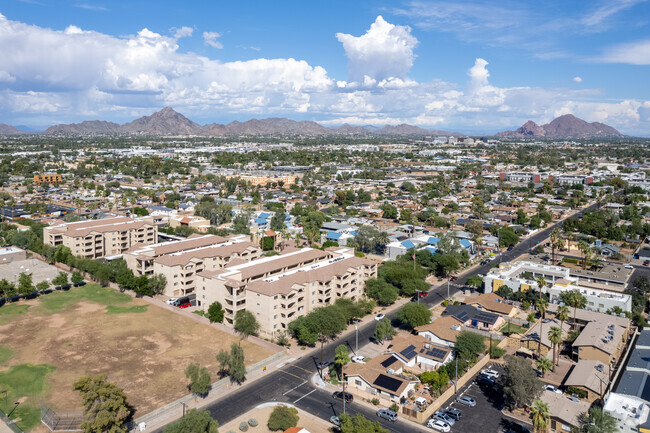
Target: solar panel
[(437, 353), (409, 352), (387, 382), (388, 361), (485, 317), (463, 316)]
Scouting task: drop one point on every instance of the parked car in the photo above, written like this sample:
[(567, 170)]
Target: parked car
[(32, 295), (627, 266), (45, 291), (358, 359), (66, 286), (490, 373), (467, 401), (552, 389), (646, 263), (513, 427), (58, 288), (454, 413), (485, 381), (179, 301), (15, 298), (339, 395), (454, 278), (79, 284), (185, 305), (3, 301), (323, 365), (439, 425), (387, 414), (441, 415), (379, 317), (336, 421), (171, 301)]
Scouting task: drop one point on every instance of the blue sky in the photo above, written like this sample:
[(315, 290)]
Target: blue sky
[(476, 67)]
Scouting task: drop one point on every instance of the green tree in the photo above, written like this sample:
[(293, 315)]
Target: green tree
[(106, 409), (157, 283), (469, 345), (599, 421), (200, 380), (246, 324), (540, 415), (61, 279), (76, 277), (194, 421), (237, 366), (562, 314), (267, 243), (277, 221), (390, 211), (25, 284), (475, 281), (380, 290), (360, 424), (384, 330), (543, 365), (215, 312), (414, 314), (283, 418), (311, 224), (521, 385), (555, 337), (223, 358), (574, 299)]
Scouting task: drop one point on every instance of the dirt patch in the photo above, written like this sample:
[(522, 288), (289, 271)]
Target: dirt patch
[(145, 353)]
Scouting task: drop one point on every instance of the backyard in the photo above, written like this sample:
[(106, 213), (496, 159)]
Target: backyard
[(46, 344)]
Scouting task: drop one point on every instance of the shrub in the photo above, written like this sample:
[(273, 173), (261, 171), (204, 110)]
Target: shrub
[(570, 260), (375, 401), (577, 391), (394, 407), (497, 352), (243, 426), (253, 422), (283, 418)]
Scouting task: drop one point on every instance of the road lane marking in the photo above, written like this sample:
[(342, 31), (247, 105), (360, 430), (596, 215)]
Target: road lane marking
[(294, 375), (295, 388), (313, 390), (303, 369)]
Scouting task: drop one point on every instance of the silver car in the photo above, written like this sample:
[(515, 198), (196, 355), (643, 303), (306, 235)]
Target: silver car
[(467, 401), (442, 416)]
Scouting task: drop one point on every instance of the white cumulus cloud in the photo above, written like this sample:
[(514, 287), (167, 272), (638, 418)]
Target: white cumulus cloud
[(182, 32), (577, 79), (210, 38), (384, 51)]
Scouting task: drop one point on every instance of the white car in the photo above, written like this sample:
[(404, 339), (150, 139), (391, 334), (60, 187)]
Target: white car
[(171, 301), (628, 266), (379, 317), (490, 373), (439, 425), (358, 359), (552, 389)]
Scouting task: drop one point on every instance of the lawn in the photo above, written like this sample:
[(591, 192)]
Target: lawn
[(514, 329), (50, 342)]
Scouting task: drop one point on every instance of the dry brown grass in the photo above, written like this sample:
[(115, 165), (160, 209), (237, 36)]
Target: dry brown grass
[(145, 353)]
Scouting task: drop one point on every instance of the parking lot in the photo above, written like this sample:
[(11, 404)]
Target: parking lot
[(486, 416)]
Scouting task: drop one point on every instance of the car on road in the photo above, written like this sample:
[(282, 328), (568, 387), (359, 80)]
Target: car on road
[(442, 416), (171, 301), (467, 401), (337, 422), (628, 266), (490, 373), (323, 365), (552, 389), (185, 305), (358, 359), (646, 263), (454, 278), (387, 414), (439, 425), (423, 294), (379, 317), (355, 321), (339, 395)]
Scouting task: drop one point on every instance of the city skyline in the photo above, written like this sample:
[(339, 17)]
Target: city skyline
[(477, 68)]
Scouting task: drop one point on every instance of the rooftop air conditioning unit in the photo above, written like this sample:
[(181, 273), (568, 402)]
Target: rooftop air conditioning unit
[(390, 371)]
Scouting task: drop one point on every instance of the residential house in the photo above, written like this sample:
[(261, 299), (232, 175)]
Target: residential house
[(591, 376), (379, 378), (472, 317), (493, 303), (531, 339), (442, 331), (418, 351), (565, 413)]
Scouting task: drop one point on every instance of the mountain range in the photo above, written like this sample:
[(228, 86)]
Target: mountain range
[(567, 126), (169, 122)]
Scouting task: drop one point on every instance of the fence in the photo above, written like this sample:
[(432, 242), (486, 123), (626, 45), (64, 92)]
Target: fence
[(67, 421), (175, 409), (9, 423)]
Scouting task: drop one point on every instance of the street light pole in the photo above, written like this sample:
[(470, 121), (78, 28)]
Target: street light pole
[(417, 294), (356, 343), (344, 382), (456, 381)]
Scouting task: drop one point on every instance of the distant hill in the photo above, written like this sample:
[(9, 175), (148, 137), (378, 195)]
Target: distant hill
[(169, 122), (567, 126), (10, 130)]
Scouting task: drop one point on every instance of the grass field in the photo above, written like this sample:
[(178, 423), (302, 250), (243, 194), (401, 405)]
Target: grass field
[(49, 342), (514, 329)]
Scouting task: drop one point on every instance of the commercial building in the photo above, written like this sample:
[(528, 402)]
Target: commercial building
[(102, 238), (597, 300), (278, 289), (181, 261), (11, 254)]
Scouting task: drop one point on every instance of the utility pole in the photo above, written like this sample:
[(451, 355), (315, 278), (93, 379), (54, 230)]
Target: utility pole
[(344, 398), (321, 355), (490, 348), (456, 381), (356, 343)]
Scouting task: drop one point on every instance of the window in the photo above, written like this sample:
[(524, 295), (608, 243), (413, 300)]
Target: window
[(357, 382), (275, 307), (275, 316)]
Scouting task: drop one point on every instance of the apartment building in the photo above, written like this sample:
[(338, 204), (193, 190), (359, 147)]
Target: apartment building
[(255, 180), (525, 177), (597, 300), (180, 261), (105, 237), (278, 289), (47, 178)]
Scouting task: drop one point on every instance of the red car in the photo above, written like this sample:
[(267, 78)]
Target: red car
[(423, 294), (453, 278), (185, 305)]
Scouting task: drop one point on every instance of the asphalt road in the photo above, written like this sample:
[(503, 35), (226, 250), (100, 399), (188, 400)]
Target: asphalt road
[(292, 383)]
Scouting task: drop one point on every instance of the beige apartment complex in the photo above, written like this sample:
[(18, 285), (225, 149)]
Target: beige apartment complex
[(263, 180), (278, 289), (102, 238), (181, 261)]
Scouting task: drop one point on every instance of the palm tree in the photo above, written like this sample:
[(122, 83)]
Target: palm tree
[(562, 314), (555, 336), (540, 415), (555, 235), (541, 283), (543, 365), (599, 421), (575, 299), (541, 307)]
